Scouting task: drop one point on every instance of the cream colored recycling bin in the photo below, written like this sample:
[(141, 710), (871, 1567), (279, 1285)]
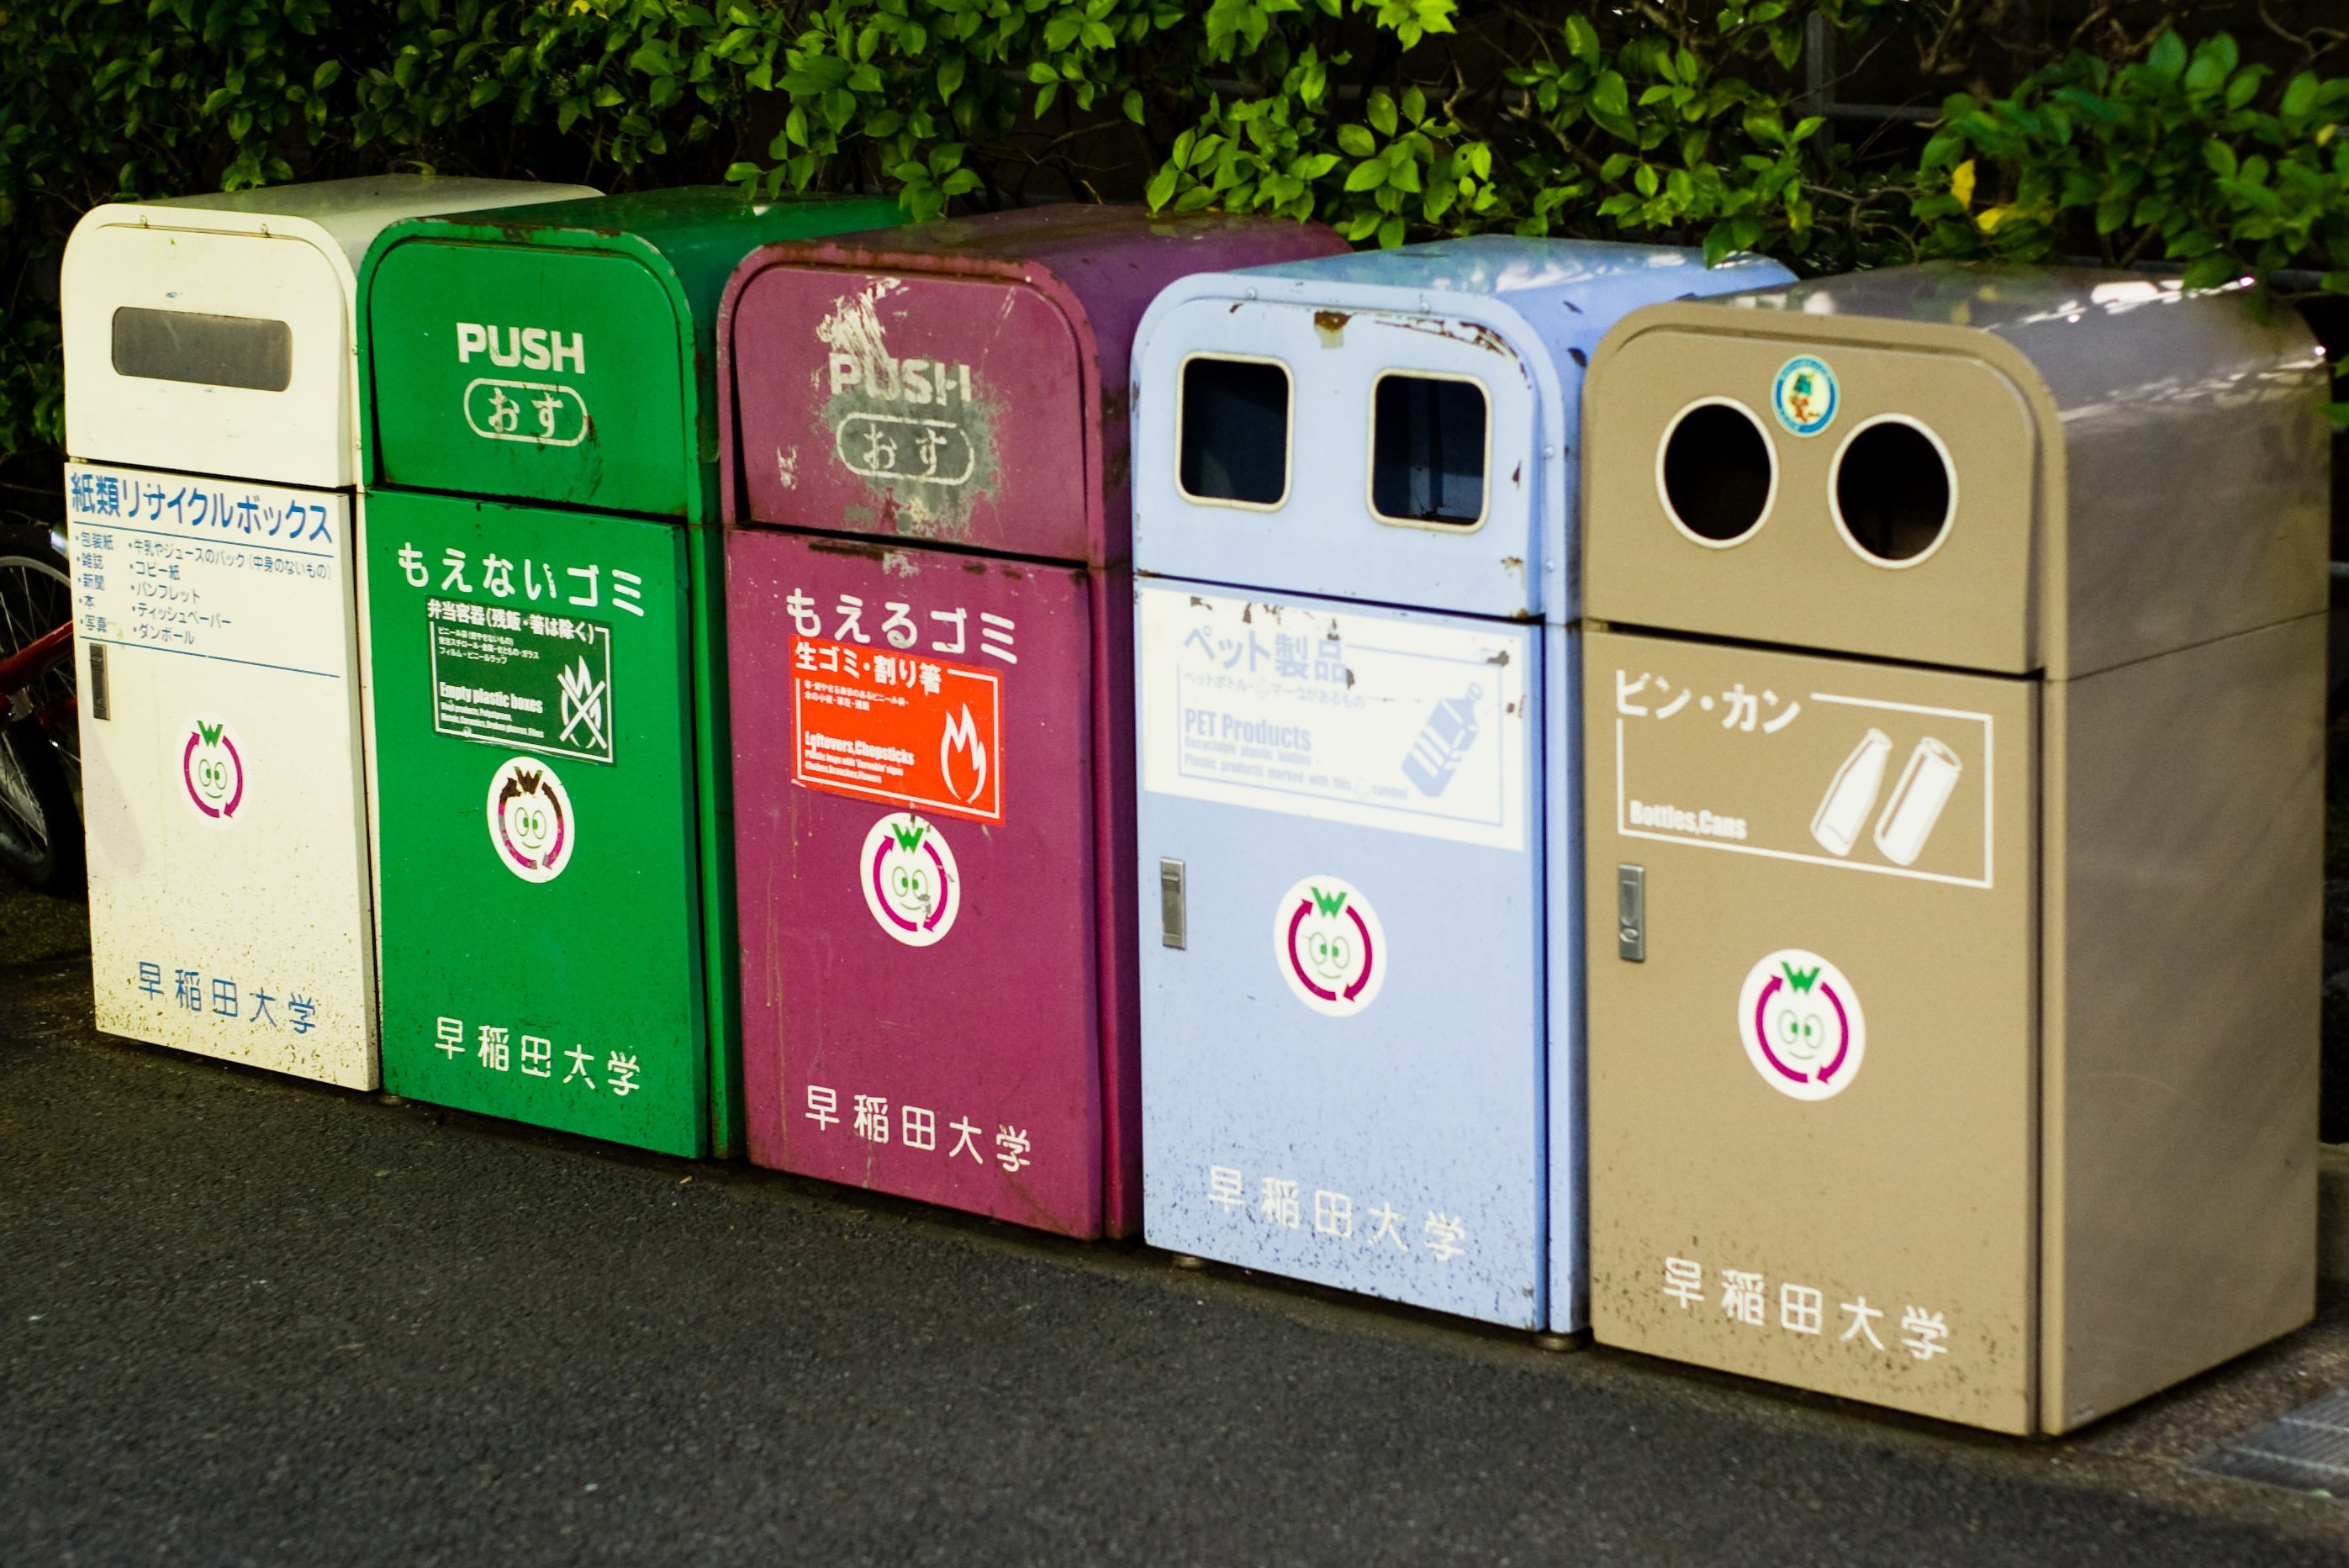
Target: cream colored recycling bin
[(211, 420), (1953, 710)]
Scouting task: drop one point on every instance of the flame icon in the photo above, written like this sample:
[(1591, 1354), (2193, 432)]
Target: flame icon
[(962, 735)]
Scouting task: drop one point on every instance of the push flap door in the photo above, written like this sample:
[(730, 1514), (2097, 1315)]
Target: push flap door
[(944, 409), (535, 374), (1811, 491)]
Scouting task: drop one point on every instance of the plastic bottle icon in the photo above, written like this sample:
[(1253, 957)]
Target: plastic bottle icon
[(1446, 738), (1925, 786), (1852, 795)]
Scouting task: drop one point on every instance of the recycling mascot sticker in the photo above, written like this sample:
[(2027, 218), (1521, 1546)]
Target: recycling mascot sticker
[(1330, 947), (911, 883), (1802, 1025), (1805, 395), (532, 826), (212, 767)]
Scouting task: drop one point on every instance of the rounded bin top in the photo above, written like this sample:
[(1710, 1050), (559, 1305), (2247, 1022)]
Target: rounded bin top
[(2004, 469), (563, 354), (218, 334), (962, 381), (1398, 427)]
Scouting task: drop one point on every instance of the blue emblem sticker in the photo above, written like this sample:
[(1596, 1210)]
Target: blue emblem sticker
[(1805, 396)]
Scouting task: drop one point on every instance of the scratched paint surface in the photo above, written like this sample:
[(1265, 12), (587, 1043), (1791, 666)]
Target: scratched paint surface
[(920, 1014), (925, 408), (1342, 1066)]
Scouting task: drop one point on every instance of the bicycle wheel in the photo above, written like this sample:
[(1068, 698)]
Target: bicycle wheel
[(40, 752)]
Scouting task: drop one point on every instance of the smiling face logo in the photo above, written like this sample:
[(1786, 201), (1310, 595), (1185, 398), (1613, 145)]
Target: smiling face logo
[(212, 766), (1329, 945), (1802, 1025), (911, 883), (532, 826)]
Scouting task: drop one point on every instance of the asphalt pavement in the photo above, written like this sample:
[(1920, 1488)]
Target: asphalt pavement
[(248, 1320)]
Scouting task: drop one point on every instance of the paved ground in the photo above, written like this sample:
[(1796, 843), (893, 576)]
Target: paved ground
[(245, 1320)]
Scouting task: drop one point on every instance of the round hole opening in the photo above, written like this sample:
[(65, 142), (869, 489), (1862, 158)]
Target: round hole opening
[(1717, 472), (1892, 492)]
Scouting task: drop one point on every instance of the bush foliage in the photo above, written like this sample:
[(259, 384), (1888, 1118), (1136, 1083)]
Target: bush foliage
[(1395, 120)]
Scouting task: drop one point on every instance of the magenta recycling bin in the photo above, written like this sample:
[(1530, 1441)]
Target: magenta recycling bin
[(930, 643)]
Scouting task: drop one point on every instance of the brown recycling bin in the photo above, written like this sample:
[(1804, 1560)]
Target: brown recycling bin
[(1954, 693)]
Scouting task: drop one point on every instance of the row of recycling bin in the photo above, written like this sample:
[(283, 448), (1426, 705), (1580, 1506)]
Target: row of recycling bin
[(1540, 780)]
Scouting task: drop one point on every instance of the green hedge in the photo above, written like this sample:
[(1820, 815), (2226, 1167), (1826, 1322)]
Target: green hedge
[(1393, 120)]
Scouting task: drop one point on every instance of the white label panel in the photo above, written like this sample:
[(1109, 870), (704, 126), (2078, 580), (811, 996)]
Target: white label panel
[(249, 573), (1828, 778), (1414, 725)]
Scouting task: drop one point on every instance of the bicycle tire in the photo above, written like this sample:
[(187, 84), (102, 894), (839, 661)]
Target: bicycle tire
[(50, 858), (40, 753)]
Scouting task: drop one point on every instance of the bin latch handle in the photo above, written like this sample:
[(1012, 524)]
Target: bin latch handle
[(1631, 913), (1171, 903)]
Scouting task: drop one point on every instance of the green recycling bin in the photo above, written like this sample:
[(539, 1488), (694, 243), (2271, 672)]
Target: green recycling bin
[(546, 657)]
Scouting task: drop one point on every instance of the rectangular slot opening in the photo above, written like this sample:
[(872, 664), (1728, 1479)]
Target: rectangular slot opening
[(209, 351), (1427, 451), (1235, 431)]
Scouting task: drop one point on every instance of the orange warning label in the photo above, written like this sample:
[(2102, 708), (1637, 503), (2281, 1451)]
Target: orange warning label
[(898, 727)]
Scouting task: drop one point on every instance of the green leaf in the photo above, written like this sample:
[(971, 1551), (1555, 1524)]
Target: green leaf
[(2211, 271), (1717, 243), (1610, 105), (1582, 39), (1356, 141), (2213, 62), (1381, 111), (1161, 187)]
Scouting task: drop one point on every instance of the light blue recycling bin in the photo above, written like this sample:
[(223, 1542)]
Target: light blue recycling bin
[(1355, 482)]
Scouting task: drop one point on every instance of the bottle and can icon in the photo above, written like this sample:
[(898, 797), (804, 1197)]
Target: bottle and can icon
[(1444, 741), (1925, 787), (1926, 783), (1851, 795)]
